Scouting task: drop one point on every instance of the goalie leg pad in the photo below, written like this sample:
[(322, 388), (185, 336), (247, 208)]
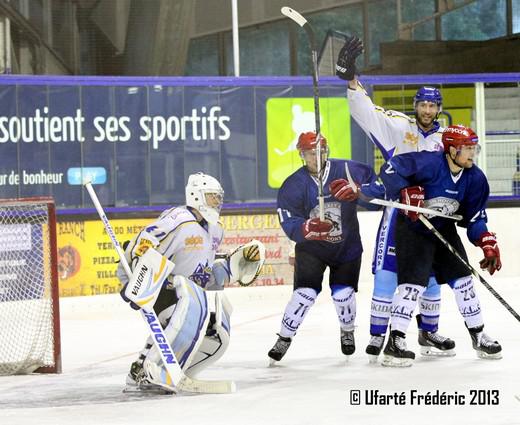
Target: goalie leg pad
[(216, 340), (186, 322)]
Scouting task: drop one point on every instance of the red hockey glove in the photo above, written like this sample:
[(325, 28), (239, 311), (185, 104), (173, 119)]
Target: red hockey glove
[(414, 196), (315, 230), (343, 191), (491, 260)]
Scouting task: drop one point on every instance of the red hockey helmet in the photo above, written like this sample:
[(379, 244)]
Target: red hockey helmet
[(307, 141), (457, 136)]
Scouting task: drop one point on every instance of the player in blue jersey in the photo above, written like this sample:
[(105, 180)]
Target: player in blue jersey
[(395, 133), (447, 181), (334, 242)]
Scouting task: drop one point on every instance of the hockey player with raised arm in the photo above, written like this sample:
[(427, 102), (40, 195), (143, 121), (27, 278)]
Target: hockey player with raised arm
[(334, 242), (196, 323), (395, 133), (447, 181)]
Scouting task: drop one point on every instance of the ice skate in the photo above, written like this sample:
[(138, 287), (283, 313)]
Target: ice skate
[(485, 346), (374, 347), (279, 349), (396, 353), (138, 382), (348, 345), (435, 345)]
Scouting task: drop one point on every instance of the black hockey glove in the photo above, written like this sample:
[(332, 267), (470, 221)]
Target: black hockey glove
[(346, 64)]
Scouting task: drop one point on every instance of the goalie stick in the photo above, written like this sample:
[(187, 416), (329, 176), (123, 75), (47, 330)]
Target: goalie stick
[(302, 22), (471, 269), (179, 381)]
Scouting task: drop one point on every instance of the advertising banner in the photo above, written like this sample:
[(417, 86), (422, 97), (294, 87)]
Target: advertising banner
[(87, 262), (138, 142)]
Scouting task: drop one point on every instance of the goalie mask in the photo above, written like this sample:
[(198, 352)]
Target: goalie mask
[(205, 194)]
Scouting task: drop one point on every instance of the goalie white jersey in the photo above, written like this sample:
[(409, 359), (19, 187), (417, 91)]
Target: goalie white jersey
[(179, 237), (392, 132)]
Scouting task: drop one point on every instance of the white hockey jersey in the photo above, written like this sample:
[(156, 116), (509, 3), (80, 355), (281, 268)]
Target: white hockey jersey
[(392, 132), (177, 235)]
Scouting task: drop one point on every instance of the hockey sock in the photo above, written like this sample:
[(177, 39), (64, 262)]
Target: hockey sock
[(467, 301), (403, 305), (385, 284), (429, 306), (344, 298), (301, 301)]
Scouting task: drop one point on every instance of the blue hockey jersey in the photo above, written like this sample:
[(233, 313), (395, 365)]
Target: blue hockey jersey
[(465, 194), (298, 201)]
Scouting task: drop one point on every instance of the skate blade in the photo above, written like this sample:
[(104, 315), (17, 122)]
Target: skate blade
[(428, 351), (272, 362), (347, 357), (486, 356), (372, 358), (146, 390), (390, 361)]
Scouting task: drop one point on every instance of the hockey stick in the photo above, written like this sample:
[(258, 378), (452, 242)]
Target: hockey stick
[(473, 271), (394, 204), (179, 381), (407, 207), (302, 22)]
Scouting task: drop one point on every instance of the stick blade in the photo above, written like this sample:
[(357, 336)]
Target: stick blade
[(207, 387), (294, 15)]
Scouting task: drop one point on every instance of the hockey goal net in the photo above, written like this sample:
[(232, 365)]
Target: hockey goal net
[(29, 308)]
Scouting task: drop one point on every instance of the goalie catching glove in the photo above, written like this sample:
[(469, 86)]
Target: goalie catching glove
[(246, 261), (491, 261)]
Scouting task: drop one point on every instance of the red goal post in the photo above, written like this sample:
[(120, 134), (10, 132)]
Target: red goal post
[(29, 296)]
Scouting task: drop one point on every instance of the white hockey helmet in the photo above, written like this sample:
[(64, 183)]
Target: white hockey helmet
[(205, 194)]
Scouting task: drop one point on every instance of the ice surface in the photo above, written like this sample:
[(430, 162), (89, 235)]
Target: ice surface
[(311, 385)]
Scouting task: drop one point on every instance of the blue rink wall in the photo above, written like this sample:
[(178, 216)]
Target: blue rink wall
[(139, 138)]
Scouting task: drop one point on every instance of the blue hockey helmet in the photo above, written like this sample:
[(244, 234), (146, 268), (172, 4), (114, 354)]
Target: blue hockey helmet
[(428, 94)]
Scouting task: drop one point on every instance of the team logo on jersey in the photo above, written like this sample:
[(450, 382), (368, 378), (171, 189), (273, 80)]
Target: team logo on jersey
[(201, 275), (215, 242), (411, 139), (333, 214), (193, 243), (288, 117), (447, 206)]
